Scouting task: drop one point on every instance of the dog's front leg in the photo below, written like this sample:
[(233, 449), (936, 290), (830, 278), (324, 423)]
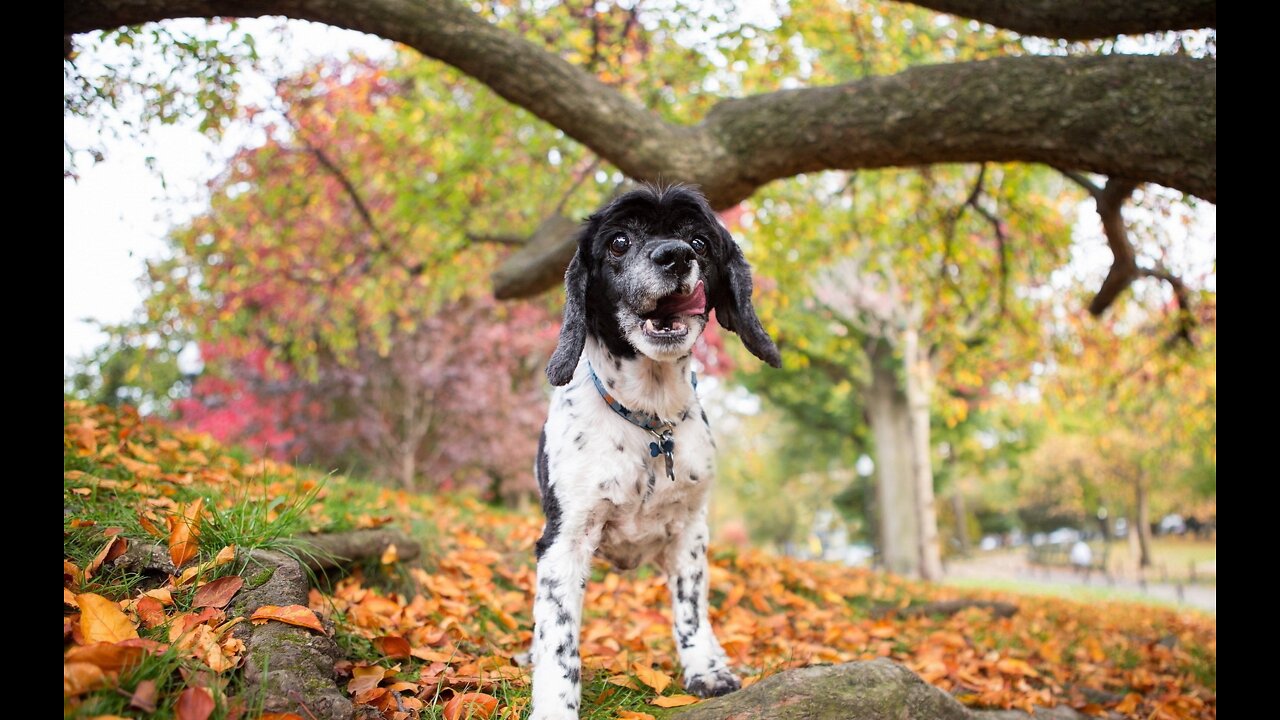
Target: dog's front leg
[(563, 567), (706, 669)]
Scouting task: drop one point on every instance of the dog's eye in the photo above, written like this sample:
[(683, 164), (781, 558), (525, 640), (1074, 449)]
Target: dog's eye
[(619, 245), (699, 245)]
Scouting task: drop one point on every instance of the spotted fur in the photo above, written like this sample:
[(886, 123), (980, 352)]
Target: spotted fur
[(603, 493)]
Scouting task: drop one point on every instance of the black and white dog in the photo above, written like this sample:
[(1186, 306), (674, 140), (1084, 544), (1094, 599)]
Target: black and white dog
[(625, 462)]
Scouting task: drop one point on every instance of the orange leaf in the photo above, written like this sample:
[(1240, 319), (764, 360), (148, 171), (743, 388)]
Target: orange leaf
[(670, 701), (1013, 666), (149, 526), (194, 703), (291, 614), (108, 656), (218, 592), (161, 594), (393, 646), (655, 679), (81, 677), (144, 697), (365, 678), (280, 716), (183, 532), (114, 548), (633, 715), (102, 620), (150, 611), (623, 681), (69, 598), (470, 706), (390, 555)]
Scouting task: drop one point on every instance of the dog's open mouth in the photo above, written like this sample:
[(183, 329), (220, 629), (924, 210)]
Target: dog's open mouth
[(667, 321)]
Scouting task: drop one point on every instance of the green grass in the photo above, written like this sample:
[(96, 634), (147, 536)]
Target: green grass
[(1082, 593)]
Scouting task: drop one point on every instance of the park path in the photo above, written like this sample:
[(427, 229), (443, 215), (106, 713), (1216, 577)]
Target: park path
[(1013, 566)]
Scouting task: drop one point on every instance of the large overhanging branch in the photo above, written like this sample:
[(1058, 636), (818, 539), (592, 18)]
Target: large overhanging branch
[(1083, 19), (1149, 118)]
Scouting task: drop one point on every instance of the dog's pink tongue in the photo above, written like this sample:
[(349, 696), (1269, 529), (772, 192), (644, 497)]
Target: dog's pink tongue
[(695, 303)]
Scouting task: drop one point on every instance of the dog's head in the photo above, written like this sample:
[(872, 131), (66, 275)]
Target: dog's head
[(649, 268)]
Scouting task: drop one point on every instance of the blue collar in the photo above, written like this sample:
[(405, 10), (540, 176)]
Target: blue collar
[(657, 427)]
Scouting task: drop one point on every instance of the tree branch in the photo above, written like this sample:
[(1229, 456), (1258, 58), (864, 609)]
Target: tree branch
[(1083, 19), (1124, 265), (1124, 270), (515, 240)]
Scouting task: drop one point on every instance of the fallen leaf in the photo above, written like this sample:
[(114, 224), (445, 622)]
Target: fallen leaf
[(655, 679), (144, 697), (633, 715), (291, 614), (184, 622), (218, 592), (225, 555), (623, 681), (71, 573), (81, 677), (1013, 666), (393, 646), (194, 703), (670, 701), (150, 611), (162, 594), (108, 656), (69, 598), (114, 547), (280, 716), (149, 526), (184, 529), (102, 620), (390, 555), (365, 678), (470, 706)]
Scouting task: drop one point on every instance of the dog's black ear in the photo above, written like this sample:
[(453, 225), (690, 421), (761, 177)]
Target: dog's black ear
[(733, 306), (573, 331)]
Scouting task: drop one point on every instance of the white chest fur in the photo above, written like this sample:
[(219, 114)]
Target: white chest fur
[(602, 463)]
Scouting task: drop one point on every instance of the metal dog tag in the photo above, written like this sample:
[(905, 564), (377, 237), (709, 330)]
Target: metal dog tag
[(666, 446)]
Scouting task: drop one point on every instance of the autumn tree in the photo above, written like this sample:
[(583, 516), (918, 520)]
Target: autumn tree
[(1082, 107), (337, 287), (1134, 422)]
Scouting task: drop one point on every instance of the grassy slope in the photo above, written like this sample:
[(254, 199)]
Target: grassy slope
[(465, 608)]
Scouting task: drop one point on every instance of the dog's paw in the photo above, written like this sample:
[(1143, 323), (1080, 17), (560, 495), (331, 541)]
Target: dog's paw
[(712, 684)]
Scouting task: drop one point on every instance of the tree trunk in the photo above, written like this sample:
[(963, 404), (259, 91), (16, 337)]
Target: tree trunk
[(962, 524), (1144, 520), (919, 378), (407, 461), (890, 420)]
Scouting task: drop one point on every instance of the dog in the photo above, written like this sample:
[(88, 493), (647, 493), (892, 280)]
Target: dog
[(625, 461)]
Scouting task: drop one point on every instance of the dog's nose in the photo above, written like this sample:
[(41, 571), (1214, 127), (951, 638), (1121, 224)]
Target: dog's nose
[(673, 256)]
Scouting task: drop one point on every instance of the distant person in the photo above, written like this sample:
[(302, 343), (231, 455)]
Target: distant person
[(1081, 557)]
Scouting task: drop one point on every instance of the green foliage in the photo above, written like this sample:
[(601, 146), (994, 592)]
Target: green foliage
[(135, 365), (171, 72)]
